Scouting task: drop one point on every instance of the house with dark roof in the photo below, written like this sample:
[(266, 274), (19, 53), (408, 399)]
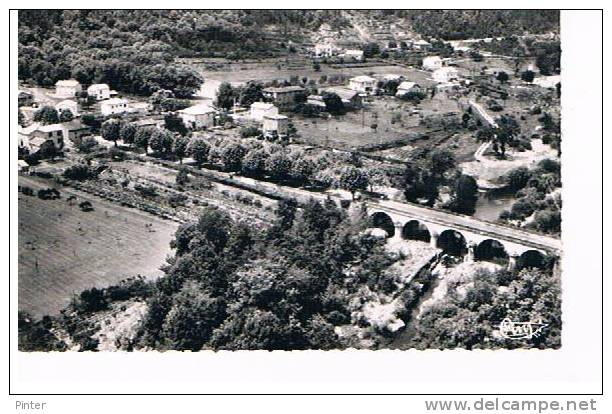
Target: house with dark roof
[(284, 95), (350, 98)]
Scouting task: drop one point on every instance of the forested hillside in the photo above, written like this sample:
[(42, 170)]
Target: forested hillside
[(134, 51), (466, 24)]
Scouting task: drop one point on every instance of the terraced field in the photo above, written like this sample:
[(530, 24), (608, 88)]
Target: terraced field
[(63, 250)]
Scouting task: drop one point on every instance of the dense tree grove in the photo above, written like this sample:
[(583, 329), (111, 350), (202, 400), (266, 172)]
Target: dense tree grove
[(231, 286), (539, 201), (466, 24), (470, 319), (130, 50)]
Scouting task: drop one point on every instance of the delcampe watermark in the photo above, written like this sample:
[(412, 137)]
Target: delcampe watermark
[(521, 330)]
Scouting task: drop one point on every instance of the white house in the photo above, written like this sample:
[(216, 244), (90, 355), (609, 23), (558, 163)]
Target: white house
[(24, 134), (316, 100), (355, 54), (23, 166), (421, 45), (139, 107), (100, 91), (261, 109), (547, 81), (406, 87), (445, 74), (432, 63), (114, 106), (275, 124), (198, 116), (363, 84), (68, 104), (67, 88), (35, 136), (391, 77), (323, 50)]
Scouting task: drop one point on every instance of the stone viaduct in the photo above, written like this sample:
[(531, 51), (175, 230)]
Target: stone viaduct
[(460, 235)]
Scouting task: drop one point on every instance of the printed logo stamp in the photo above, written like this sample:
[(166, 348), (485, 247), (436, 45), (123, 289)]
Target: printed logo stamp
[(521, 330)]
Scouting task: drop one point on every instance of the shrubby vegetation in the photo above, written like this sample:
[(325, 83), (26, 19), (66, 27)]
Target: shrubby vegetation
[(470, 318), (233, 287), (538, 199), (37, 335), (467, 24)]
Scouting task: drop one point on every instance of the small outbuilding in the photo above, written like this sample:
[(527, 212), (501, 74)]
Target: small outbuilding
[(198, 116), (100, 91), (67, 88)]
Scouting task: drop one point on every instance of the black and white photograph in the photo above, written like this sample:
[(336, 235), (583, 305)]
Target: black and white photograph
[(291, 180), (209, 182)]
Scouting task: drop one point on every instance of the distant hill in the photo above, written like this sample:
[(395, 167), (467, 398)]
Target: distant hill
[(466, 24), (135, 50)]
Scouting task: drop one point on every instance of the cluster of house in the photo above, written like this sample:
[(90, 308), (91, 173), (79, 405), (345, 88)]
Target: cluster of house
[(36, 136), (110, 103), (328, 50), (203, 116), (441, 72)]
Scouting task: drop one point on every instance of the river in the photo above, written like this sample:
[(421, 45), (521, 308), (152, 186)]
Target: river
[(491, 203)]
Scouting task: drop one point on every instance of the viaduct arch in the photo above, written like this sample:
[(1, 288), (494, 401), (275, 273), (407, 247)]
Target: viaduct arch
[(463, 236)]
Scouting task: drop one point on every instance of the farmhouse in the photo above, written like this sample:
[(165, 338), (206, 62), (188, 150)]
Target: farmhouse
[(68, 104), (67, 88), (284, 95), (25, 98), (198, 116), (23, 135), (261, 109), (36, 136), (149, 122), (354, 54), (350, 98), (406, 87), (323, 50), (114, 106), (139, 107), (316, 100), (391, 77), (363, 84), (445, 75), (421, 45), (547, 81), (275, 125), (75, 130), (100, 91), (432, 63), (23, 166)]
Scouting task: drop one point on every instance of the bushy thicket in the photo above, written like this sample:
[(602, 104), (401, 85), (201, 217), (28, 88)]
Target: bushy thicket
[(470, 318), (466, 24), (230, 286), (535, 190), (132, 51)]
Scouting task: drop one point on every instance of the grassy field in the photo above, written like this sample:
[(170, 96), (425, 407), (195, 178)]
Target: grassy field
[(270, 70), (394, 119), (63, 250)]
